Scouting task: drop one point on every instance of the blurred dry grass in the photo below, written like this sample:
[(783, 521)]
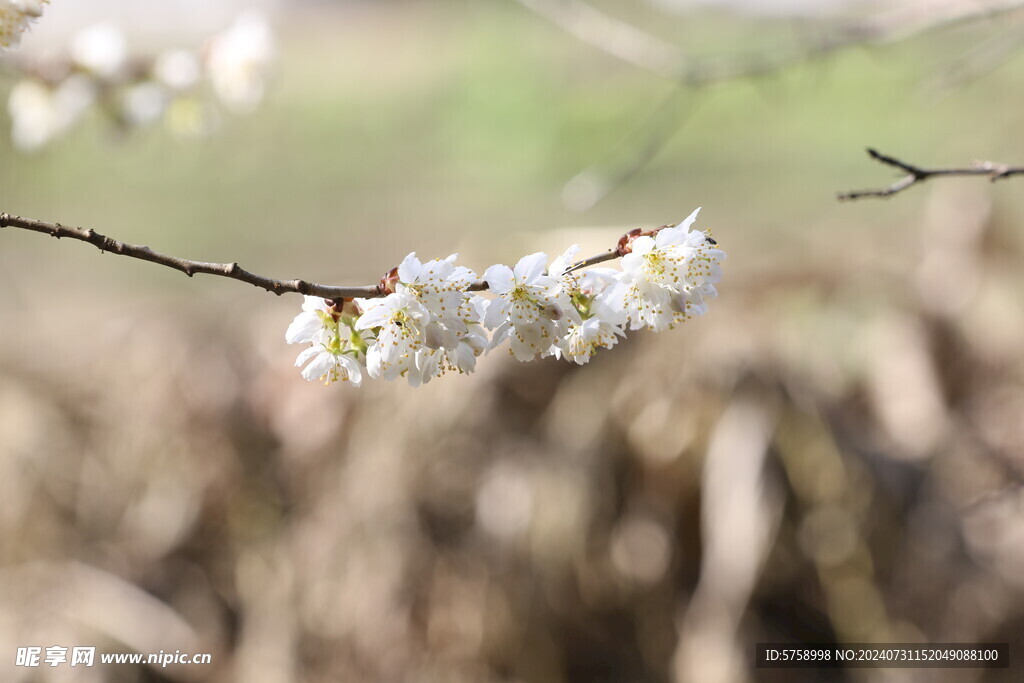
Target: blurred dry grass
[(835, 453)]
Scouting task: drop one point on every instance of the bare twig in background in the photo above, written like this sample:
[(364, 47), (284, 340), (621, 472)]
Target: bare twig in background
[(916, 174), (618, 38), (635, 46), (233, 270), (640, 146), (986, 57)]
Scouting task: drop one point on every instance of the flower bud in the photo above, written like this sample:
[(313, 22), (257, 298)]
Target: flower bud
[(348, 308), (389, 281), (625, 245)]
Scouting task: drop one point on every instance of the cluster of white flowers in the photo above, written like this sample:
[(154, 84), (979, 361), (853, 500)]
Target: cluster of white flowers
[(15, 16), (430, 320), (178, 87)]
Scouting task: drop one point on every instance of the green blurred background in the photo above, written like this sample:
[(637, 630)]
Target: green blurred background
[(860, 375)]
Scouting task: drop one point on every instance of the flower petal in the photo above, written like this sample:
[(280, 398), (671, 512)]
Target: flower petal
[(531, 267), (685, 225), (499, 278), (377, 313), (562, 262), (497, 312), (410, 268), (303, 329)]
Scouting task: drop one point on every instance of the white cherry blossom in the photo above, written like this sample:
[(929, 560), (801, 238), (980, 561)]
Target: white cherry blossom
[(461, 357), (530, 309), (101, 49), (427, 322), (15, 16), (336, 350), (400, 321), (666, 278), (329, 365), (440, 286), (238, 60), (583, 340), (40, 112), (134, 91), (600, 325)]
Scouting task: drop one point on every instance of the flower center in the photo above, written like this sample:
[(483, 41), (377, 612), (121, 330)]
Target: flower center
[(653, 264)]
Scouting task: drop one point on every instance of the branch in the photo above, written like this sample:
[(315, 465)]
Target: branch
[(618, 38), (233, 270), (635, 46), (916, 174), (609, 255), (632, 45), (190, 268)]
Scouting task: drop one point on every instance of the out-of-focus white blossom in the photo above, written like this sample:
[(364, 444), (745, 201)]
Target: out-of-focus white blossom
[(183, 89), (100, 49), (178, 69), (145, 103), (15, 16), (40, 112), (238, 60), (666, 278)]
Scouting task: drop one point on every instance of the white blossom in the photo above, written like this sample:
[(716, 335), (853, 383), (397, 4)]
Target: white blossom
[(440, 286), (399, 320), (101, 49), (428, 323), (163, 90), (457, 351), (600, 326), (561, 263), (666, 278), (238, 60), (530, 308), (145, 102), (448, 321), (177, 69), (329, 365), (336, 351), (39, 112), (15, 16), (583, 340)]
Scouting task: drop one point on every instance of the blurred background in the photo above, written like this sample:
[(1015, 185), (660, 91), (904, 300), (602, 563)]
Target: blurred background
[(833, 454)]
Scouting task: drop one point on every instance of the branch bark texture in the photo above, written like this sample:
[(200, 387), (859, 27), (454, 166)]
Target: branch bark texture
[(916, 175), (230, 270)]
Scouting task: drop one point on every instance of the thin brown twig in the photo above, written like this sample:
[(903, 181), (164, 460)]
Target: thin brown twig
[(609, 255), (230, 270), (190, 268), (916, 174)]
